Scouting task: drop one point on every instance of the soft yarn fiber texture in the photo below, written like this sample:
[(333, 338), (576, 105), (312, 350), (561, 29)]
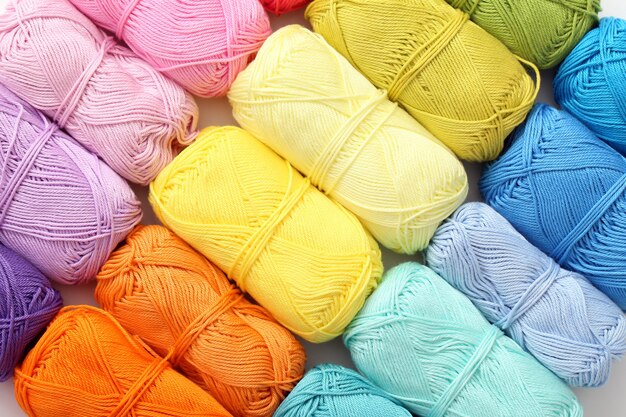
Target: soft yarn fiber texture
[(201, 44), (27, 304), (61, 207), (112, 102), (334, 391), (565, 191), (557, 315), (85, 364), (458, 81), (303, 257), (351, 142), (426, 344), (540, 31), (283, 6), (184, 308), (591, 83)]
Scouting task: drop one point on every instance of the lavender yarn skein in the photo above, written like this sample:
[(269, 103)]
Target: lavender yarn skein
[(556, 315), (27, 304), (61, 207)]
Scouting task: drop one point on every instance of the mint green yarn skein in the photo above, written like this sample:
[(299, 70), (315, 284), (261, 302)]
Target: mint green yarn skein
[(426, 344), (543, 32)]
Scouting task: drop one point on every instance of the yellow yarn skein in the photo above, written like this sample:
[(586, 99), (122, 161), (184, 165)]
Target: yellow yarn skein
[(303, 257), (460, 82), (348, 138)]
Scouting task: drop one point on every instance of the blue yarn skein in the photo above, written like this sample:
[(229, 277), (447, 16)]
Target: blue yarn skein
[(564, 189), (557, 315), (335, 391), (424, 342), (591, 83)]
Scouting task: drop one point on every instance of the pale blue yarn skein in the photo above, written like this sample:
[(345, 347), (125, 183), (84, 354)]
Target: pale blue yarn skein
[(557, 315), (591, 82), (426, 344), (334, 391), (564, 190)]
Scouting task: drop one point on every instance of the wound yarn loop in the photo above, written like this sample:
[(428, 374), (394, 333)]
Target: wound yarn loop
[(540, 31), (61, 207), (27, 304), (594, 215), (556, 315), (303, 257), (257, 243), (111, 101), (473, 365), (354, 144), (334, 391), (591, 82), (531, 297), (454, 78), (85, 364), (279, 7), (564, 190), (202, 45), (184, 308), (68, 105), (425, 344)]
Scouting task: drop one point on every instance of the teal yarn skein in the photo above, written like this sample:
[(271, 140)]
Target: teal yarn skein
[(556, 315), (334, 391), (564, 190), (591, 82), (424, 342)]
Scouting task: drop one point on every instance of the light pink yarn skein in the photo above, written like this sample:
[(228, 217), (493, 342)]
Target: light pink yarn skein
[(106, 97), (201, 44)]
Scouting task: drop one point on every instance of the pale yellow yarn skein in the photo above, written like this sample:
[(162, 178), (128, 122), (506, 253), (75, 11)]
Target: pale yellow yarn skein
[(457, 80), (303, 257), (349, 139)]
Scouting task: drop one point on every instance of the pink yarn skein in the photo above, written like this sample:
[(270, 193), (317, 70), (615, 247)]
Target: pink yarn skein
[(101, 93), (61, 207), (283, 6), (201, 44)]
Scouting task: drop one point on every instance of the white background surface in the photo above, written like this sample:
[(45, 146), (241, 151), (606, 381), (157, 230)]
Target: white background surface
[(607, 401)]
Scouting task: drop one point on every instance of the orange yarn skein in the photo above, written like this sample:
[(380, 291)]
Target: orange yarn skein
[(183, 307), (86, 365)]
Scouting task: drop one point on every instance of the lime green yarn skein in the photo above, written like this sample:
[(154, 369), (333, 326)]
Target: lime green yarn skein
[(353, 143), (541, 31), (457, 80), (426, 344)]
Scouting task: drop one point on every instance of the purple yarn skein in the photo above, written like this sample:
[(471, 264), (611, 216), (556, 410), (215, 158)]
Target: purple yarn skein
[(27, 304), (61, 207)]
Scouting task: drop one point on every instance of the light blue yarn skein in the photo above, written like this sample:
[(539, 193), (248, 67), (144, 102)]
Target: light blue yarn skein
[(564, 190), (426, 344), (334, 391), (557, 315), (591, 82)]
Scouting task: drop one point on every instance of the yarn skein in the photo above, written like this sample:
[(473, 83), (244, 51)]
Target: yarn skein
[(61, 207), (591, 83), (184, 308), (565, 191), (334, 391), (85, 364), (349, 139), (424, 342), (556, 315), (458, 81), (27, 304), (202, 44), (303, 257), (113, 103), (540, 31), (283, 6)]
